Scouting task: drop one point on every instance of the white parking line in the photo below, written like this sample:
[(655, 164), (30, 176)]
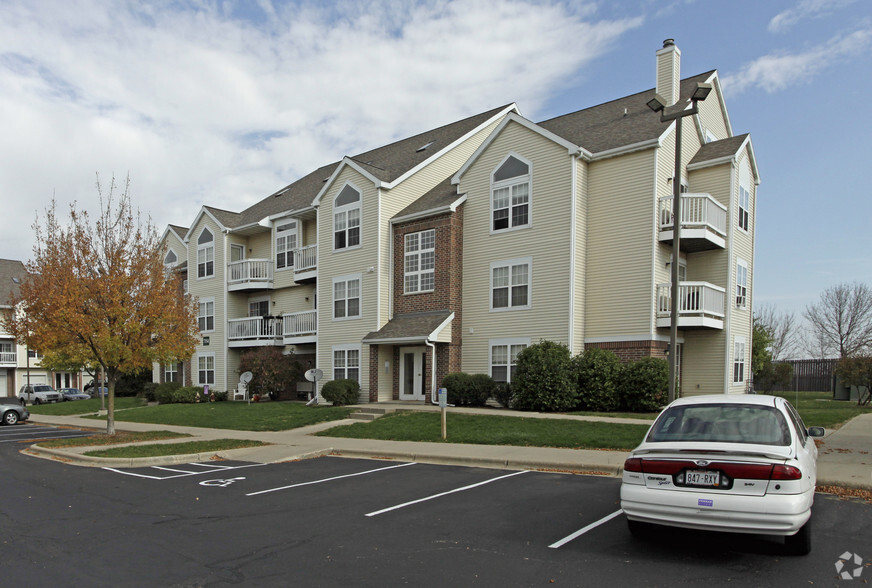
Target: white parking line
[(185, 473), (402, 465), (581, 532), (384, 510)]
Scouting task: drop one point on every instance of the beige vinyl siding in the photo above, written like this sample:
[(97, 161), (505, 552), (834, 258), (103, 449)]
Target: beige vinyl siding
[(620, 219), (178, 246), (546, 243), (702, 362), (742, 248), (288, 300), (210, 288), (581, 197), (712, 266), (711, 117)]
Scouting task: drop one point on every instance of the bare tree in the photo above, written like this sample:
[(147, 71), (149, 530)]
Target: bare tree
[(782, 329), (841, 321)]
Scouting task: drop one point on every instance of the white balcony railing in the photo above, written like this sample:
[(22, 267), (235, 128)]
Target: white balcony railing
[(698, 299), (250, 271), (256, 328), (306, 258), (296, 324), (7, 357), (697, 211)]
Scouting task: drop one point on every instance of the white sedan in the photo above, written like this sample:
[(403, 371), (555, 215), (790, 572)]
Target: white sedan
[(743, 464)]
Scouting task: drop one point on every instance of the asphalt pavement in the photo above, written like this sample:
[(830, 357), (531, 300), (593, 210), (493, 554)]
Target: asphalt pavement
[(845, 454)]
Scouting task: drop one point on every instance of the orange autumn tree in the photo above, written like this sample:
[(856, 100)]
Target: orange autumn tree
[(100, 295)]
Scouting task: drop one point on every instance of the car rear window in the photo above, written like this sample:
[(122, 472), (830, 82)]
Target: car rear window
[(722, 423)]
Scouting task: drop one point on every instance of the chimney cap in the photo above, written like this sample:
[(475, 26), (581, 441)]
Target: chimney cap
[(668, 43)]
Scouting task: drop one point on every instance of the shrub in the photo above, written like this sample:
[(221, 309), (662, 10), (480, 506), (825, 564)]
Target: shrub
[(468, 389), (597, 371), (148, 390), (163, 391), (173, 393), (543, 378), (341, 392), (644, 385), (503, 394)]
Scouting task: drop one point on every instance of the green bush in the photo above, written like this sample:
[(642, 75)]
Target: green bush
[(597, 372), (163, 391), (504, 394), (468, 389), (341, 392), (148, 390), (644, 384), (543, 378), (172, 393)]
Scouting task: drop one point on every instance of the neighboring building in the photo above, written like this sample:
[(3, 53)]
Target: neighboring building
[(456, 248), (18, 364)]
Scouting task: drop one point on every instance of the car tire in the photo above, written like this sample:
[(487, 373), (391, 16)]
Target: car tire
[(800, 543), (10, 418), (22, 401), (37, 400), (639, 530)]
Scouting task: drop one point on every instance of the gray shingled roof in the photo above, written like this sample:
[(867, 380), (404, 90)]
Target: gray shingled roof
[(718, 149), (621, 122), (416, 325), (439, 197), (10, 270)]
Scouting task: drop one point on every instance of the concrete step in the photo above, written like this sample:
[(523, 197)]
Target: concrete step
[(366, 413), (364, 416)]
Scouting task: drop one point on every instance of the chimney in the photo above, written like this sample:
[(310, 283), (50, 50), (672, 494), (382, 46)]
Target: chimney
[(669, 71)]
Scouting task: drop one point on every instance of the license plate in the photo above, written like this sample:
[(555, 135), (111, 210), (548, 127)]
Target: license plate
[(705, 478)]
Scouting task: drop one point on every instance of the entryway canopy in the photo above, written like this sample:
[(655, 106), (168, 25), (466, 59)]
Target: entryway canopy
[(414, 327)]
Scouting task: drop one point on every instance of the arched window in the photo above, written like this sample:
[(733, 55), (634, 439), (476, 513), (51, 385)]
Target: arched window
[(510, 194), (170, 258), (205, 254), (346, 218)]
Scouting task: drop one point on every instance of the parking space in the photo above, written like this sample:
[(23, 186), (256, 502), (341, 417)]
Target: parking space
[(26, 433)]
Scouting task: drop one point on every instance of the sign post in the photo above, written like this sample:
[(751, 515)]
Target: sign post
[(443, 405)]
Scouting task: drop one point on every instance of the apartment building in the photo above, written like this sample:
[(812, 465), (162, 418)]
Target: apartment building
[(454, 249)]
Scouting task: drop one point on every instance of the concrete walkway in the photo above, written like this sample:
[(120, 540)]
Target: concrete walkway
[(845, 454)]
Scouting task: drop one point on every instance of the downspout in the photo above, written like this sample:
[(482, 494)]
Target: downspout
[(434, 398)]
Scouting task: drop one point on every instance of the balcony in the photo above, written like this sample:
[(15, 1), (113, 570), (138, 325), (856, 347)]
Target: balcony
[(256, 331), (250, 274), (702, 306), (306, 264), (703, 222), (300, 327), (7, 359)]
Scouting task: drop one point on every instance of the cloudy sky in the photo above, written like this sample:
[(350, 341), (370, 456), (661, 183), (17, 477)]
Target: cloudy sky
[(224, 102)]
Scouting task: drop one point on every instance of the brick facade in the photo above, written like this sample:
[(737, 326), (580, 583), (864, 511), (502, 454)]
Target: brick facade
[(628, 351)]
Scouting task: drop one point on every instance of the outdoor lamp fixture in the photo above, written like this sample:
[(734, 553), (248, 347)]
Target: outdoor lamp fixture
[(676, 112)]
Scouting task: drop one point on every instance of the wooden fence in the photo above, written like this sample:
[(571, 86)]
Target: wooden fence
[(811, 375)]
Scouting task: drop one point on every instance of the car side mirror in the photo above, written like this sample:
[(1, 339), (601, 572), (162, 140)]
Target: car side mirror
[(816, 431)]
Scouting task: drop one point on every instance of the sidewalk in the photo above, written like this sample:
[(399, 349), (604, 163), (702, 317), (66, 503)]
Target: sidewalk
[(845, 454)]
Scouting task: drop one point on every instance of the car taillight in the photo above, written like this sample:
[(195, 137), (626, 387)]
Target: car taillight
[(633, 464), (785, 472)]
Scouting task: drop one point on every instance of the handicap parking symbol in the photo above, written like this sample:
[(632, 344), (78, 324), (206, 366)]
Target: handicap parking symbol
[(220, 483)]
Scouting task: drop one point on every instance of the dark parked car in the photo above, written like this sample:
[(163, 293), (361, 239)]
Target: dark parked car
[(96, 391), (73, 394), (12, 411)]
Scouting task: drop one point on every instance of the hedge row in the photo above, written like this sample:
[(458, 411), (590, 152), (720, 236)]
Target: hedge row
[(175, 393)]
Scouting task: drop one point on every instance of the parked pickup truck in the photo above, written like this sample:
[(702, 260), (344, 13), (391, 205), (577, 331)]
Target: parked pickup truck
[(38, 394)]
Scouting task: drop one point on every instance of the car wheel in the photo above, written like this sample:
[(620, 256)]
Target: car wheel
[(638, 529), (22, 401), (10, 418), (37, 401), (799, 544)]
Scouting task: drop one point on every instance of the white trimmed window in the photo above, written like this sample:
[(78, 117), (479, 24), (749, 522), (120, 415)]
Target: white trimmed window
[(171, 372), (286, 242), (741, 284), (346, 362), (504, 357), (739, 360), (420, 262), (206, 314), (346, 297), (171, 258), (510, 284), (510, 194), (205, 254), (206, 369), (744, 207), (346, 218)]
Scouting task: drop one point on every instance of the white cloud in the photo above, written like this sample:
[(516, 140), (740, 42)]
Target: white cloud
[(805, 9), (777, 71), (222, 103)]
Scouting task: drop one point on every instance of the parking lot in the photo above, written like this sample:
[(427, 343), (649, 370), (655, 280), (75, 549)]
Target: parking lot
[(26, 433), (333, 521)]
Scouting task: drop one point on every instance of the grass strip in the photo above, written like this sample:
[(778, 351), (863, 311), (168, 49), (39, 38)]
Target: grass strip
[(120, 437), (818, 409), (74, 407), (163, 449), (238, 416), (496, 430)]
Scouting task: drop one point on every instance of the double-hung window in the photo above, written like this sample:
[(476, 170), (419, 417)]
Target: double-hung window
[(206, 368), (504, 357), (346, 297), (510, 195), (739, 360), (420, 261), (346, 218), (510, 284), (744, 207), (205, 254), (206, 314), (171, 372), (286, 242), (741, 284), (346, 363)]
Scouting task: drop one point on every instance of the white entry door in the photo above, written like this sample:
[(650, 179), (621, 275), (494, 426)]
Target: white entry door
[(412, 373)]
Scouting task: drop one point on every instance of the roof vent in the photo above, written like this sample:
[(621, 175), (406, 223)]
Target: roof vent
[(16, 280), (668, 42), (422, 147)]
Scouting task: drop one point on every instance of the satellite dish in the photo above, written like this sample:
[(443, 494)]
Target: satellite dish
[(246, 377), (314, 375)]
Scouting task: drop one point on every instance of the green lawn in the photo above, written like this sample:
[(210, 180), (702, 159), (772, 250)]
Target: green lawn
[(104, 439), (818, 409), (74, 407), (161, 449), (648, 416), (240, 416), (496, 430)]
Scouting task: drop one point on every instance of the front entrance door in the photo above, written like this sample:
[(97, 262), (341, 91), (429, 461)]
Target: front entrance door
[(412, 373)]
